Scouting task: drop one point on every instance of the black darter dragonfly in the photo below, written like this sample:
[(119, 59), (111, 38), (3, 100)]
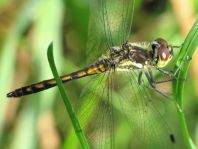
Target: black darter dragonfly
[(121, 76)]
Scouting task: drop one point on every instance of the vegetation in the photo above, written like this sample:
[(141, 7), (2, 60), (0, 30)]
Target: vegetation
[(27, 29)]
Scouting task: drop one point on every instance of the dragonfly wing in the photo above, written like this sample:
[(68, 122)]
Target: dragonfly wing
[(109, 25), (115, 106), (148, 116), (96, 112)]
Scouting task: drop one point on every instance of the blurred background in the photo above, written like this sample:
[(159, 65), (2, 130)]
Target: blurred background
[(27, 27)]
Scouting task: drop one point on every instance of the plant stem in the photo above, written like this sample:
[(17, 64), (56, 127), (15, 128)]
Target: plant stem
[(72, 115), (183, 61)]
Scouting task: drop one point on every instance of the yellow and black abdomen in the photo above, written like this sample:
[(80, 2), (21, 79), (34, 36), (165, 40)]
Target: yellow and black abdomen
[(97, 68)]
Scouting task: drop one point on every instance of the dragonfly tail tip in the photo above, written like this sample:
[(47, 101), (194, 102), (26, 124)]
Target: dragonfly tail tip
[(11, 94)]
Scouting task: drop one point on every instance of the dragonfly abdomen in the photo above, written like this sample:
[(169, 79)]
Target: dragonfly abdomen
[(33, 88), (97, 68)]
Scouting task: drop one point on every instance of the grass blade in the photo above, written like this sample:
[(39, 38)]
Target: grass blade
[(183, 62), (72, 115)]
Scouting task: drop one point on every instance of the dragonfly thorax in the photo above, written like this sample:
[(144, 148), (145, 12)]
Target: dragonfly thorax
[(138, 55), (130, 55)]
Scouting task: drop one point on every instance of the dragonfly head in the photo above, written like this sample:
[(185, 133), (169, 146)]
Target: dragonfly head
[(162, 52)]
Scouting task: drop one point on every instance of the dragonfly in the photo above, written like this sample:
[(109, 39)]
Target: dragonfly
[(121, 80), (129, 56)]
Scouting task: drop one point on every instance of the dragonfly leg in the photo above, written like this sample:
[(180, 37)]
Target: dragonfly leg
[(159, 92), (150, 78), (171, 74), (186, 59), (152, 83), (140, 78), (179, 68), (167, 72)]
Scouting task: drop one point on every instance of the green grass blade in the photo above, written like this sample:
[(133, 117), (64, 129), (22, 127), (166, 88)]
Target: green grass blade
[(183, 61), (68, 105)]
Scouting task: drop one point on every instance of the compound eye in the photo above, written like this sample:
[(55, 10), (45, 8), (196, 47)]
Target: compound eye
[(164, 55)]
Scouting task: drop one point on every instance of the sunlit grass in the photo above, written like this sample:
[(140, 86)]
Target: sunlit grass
[(183, 61), (68, 105)]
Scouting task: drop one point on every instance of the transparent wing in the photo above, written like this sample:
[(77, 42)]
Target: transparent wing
[(116, 106), (109, 25), (96, 112), (145, 114)]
